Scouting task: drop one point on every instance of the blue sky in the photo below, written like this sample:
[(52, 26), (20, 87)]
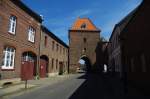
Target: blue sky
[(59, 15)]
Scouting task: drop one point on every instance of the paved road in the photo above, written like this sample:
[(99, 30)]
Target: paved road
[(61, 90), (79, 86)]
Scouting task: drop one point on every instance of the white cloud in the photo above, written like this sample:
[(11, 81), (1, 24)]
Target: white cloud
[(82, 12)]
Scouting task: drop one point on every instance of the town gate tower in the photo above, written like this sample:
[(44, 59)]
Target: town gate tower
[(84, 37)]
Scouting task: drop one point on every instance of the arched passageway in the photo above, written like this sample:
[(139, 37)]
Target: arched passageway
[(85, 64), (43, 66)]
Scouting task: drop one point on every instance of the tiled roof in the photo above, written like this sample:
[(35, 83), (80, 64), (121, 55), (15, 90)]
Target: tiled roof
[(84, 24), (29, 11), (44, 29), (122, 24)]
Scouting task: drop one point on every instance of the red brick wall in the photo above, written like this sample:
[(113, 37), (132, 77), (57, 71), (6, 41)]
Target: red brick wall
[(20, 40), (77, 45)]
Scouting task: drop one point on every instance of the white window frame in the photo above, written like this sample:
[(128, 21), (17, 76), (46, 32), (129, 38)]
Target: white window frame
[(31, 34), (9, 56), (12, 24)]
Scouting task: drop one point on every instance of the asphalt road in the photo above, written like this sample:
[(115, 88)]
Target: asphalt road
[(61, 90), (81, 86)]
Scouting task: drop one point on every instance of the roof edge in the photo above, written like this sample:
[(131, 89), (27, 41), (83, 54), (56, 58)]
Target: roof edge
[(97, 29), (28, 10), (46, 30)]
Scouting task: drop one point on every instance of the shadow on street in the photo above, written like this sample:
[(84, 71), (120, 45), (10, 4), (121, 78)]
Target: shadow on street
[(97, 86)]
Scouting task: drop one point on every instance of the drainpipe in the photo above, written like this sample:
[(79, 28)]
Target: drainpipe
[(39, 52)]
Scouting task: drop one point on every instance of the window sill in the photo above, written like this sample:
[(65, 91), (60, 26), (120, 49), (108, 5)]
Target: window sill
[(12, 33), (31, 42), (7, 69)]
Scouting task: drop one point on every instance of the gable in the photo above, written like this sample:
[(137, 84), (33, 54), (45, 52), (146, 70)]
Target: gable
[(84, 24)]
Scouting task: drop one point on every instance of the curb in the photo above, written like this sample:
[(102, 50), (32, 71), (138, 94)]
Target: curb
[(21, 89), (18, 91)]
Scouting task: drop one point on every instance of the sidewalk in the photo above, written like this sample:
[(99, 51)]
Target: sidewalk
[(32, 85)]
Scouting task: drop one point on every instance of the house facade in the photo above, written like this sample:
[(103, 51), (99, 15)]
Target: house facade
[(54, 51), (114, 51), (135, 48), (114, 46), (20, 39), (28, 49)]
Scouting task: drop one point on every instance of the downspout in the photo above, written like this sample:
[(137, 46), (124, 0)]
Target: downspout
[(38, 66)]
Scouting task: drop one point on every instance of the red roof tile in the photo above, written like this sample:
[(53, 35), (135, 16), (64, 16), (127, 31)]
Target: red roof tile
[(84, 24)]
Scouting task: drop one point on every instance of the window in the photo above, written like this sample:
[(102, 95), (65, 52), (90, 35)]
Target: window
[(67, 64), (0, 1), (57, 47), (83, 26), (8, 58), (84, 40), (52, 63), (60, 49), (45, 41), (56, 64), (12, 24), (28, 57), (0, 20), (64, 50), (84, 50), (31, 34), (53, 45)]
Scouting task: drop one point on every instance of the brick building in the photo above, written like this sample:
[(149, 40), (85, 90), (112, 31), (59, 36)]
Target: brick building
[(20, 39), (54, 51), (84, 37), (135, 48), (114, 47), (27, 48)]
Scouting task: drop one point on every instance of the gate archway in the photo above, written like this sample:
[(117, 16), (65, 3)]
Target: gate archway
[(87, 64)]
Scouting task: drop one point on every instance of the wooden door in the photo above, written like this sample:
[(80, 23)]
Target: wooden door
[(27, 68), (43, 65)]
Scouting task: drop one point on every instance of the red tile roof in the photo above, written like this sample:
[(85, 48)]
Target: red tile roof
[(84, 24)]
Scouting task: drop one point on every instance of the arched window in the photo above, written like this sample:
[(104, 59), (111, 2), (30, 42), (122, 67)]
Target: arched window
[(28, 56), (8, 58), (12, 24)]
